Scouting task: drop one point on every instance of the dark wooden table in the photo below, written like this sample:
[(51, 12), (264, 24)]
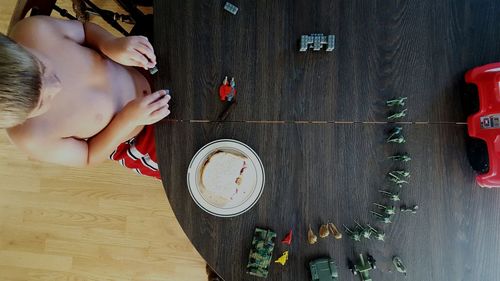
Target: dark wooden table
[(317, 122)]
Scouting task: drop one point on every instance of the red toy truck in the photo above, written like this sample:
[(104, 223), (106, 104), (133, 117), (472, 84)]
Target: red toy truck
[(482, 103)]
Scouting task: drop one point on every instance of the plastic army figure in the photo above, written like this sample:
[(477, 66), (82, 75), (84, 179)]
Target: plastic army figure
[(354, 235), (397, 176), (406, 209), (400, 157), (398, 139), (364, 232), (396, 135), (392, 196), (397, 115), (379, 235), (400, 173), (389, 210), (396, 131), (396, 102), (385, 218)]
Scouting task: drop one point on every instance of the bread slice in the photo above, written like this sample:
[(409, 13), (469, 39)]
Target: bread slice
[(223, 174)]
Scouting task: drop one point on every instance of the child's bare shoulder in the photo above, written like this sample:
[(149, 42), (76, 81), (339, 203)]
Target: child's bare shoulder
[(31, 29), (46, 31), (31, 135)]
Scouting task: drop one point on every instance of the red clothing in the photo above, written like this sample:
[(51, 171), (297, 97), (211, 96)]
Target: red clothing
[(139, 153)]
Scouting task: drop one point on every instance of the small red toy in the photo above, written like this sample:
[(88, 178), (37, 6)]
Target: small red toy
[(227, 91), (288, 238), (482, 101)]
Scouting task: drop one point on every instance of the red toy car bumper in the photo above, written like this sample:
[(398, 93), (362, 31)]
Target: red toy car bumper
[(485, 123)]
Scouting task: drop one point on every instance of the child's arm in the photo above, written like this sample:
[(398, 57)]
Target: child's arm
[(79, 153), (130, 51), (141, 111)]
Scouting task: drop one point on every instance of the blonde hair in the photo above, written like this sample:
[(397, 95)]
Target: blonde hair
[(20, 83)]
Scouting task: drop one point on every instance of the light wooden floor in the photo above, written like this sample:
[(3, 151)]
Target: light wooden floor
[(103, 223)]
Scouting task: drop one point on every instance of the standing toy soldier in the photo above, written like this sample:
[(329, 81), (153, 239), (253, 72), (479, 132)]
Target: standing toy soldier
[(379, 235), (364, 232), (400, 157), (385, 218), (354, 235), (390, 210), (390, 195)]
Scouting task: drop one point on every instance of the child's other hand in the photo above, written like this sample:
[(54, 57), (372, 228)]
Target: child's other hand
[(130, 51), (148, 109)]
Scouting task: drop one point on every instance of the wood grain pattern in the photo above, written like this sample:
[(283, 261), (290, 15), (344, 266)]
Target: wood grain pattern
[(419, 49), (320, 171), (103, 223), (99, 224)]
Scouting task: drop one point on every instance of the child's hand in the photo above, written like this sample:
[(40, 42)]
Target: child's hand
[(148, 109), (130, 51)]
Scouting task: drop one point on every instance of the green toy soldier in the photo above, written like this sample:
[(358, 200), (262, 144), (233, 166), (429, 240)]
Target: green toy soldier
[(396, 102), (398, 139), (379, 235), (354, 235), (389, 210), (406, 209), (397, 177), (400, 157), (392, 196), (364, 232), (396, 135), (385, 218), (400, 173), (395, 132), (397, 115)]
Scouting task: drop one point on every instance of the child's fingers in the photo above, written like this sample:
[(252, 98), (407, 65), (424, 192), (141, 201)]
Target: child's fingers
[(148, 54), (160, 113), (144, 40), (154, 96), (160, 103), (141, 60)]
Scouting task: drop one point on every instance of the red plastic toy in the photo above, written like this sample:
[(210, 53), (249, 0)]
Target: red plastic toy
[(482, 101), (227, 91), (288, 238)]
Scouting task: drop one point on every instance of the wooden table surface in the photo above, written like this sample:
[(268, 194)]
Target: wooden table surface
[(330, 170)]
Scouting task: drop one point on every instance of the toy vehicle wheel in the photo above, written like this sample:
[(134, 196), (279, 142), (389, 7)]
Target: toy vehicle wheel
[(350, 265), (470, 99), (372, 261), (477, 152)]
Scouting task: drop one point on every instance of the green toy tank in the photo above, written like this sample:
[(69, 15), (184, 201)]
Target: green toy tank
[(261, 252), (323, 269)]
